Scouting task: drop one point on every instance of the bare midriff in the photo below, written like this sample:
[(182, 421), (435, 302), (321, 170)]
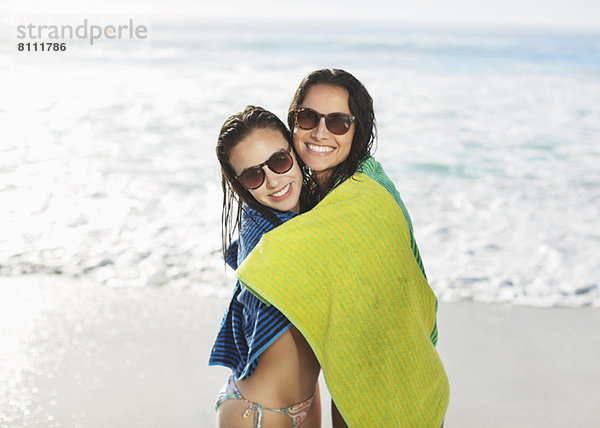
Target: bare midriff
[(286, 374)]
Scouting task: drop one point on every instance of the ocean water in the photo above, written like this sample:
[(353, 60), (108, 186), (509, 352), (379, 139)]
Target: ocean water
[(492, 136)]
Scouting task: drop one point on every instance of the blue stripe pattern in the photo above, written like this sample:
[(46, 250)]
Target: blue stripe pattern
[(249, 326)]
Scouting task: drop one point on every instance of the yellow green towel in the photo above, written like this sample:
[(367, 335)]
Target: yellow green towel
[(348, 275)]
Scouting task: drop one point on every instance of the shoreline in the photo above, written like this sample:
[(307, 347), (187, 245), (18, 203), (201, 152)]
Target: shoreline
[(80, 354)]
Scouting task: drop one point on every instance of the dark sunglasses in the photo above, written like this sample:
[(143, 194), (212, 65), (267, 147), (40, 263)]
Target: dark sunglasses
[(280, 162), (337, 123)]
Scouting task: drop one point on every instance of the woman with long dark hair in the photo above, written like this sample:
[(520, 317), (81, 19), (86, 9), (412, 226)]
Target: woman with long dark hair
[(359, 294), (274, 379)]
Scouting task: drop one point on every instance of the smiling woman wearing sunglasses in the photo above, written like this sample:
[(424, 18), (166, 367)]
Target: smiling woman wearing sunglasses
[(335, 147), (275, 372), (358, 291)]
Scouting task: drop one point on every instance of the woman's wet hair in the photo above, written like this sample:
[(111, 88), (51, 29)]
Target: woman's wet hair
[(236, 128), (361, 106)]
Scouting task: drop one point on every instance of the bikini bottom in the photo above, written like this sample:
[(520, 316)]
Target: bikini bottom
[(297, 412)]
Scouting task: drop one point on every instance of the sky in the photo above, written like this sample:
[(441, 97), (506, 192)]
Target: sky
[(575, 14)]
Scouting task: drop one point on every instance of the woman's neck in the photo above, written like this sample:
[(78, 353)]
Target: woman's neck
[(324, 180)]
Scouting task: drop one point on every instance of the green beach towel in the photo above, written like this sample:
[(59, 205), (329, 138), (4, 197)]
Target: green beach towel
[(349, 276)]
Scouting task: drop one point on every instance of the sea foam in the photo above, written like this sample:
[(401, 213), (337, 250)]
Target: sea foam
[(108, 171)]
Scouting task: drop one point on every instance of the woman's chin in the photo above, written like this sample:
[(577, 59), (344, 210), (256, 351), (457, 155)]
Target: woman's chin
[(286, 207), (321, 166), (290, 204)]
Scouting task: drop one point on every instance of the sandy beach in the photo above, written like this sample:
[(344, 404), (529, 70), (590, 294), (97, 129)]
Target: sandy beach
[(74, 353)]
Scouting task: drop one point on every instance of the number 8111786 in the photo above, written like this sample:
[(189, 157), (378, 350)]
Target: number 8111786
[(41, 47)]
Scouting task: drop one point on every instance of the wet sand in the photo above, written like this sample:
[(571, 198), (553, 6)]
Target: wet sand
[(515, 366), (74, 353)]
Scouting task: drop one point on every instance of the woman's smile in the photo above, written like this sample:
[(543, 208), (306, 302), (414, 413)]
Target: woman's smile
[(319, 149), (283, 193)]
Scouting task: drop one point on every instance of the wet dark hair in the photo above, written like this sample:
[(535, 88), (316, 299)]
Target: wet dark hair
[(235, 195), (361, 106)]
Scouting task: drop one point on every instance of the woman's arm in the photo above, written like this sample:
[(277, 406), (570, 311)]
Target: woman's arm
[(336, 417)]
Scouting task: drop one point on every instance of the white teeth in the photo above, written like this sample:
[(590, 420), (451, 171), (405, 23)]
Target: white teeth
[(322, 149), (281, 192)]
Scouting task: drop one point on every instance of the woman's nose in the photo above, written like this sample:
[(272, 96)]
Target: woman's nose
[(271, 179), (320, 131)]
